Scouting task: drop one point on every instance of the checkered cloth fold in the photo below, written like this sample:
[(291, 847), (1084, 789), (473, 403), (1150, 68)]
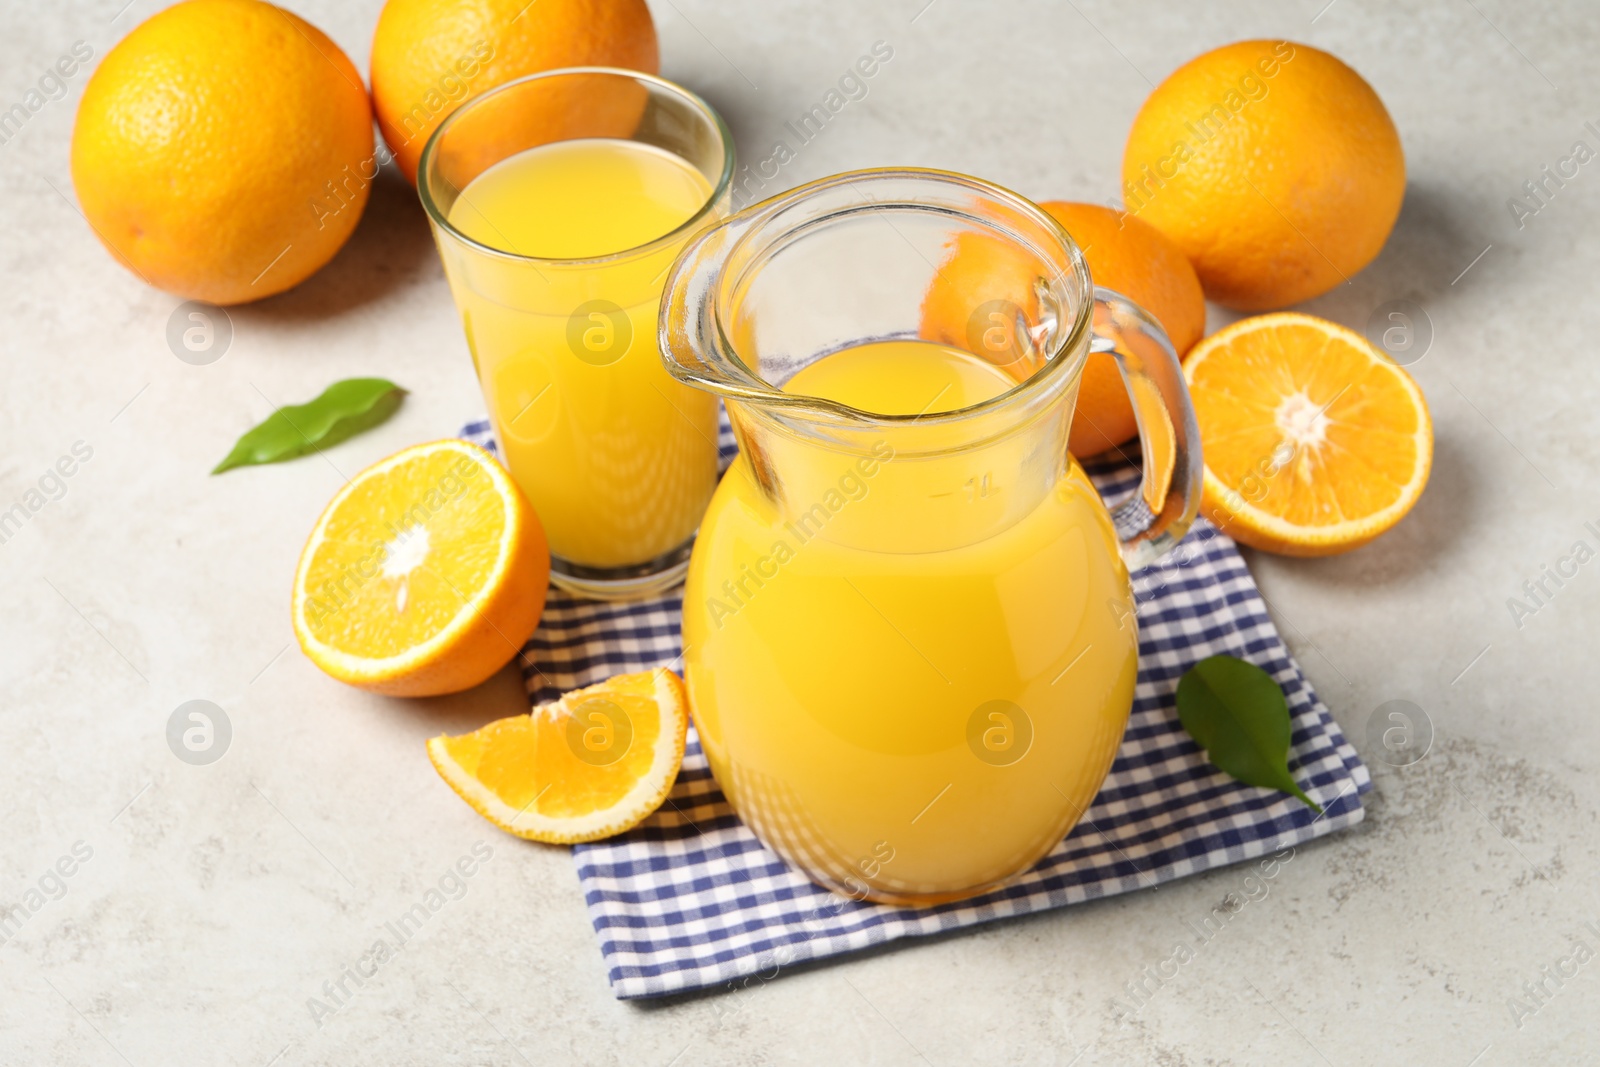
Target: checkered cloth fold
[(691, 899)]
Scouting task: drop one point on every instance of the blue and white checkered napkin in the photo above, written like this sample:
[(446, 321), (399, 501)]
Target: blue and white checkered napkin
[(691, 899)]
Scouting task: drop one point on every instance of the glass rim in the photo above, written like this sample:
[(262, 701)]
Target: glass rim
[(768, 395), (688, 226)]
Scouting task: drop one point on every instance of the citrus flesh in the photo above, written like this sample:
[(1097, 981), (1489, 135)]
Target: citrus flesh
[(590, 765), (1314, 442), (424, 575)]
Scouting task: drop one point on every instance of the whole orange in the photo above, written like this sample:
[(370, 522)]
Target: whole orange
[(977, 296), (982, 272), (1136, 260), (223, 150), (428, 56), (1273, 165)]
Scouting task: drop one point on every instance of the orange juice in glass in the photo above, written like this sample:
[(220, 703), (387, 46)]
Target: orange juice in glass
[(558, 202)]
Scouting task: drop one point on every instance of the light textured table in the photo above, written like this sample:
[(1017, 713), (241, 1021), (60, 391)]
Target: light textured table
[(219, 899)]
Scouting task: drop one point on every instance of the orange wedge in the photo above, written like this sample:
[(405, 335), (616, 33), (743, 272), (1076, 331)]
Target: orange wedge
[(1314, 442), (592, 764), (424, 575)]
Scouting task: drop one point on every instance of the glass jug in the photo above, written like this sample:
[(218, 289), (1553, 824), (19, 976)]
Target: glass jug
[(909, 636)]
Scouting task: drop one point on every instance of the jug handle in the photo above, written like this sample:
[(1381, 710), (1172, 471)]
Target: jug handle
[(1152, 521)]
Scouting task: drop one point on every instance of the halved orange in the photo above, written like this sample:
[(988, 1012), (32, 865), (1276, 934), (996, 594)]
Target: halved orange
[(590, 765), (1314, 442), (424, 575)]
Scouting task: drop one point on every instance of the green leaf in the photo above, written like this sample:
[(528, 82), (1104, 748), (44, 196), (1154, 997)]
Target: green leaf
[(343, 410), (1236, 712)]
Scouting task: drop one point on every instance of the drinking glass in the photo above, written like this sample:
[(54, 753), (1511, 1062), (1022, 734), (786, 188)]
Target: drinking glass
[(616, 456)]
